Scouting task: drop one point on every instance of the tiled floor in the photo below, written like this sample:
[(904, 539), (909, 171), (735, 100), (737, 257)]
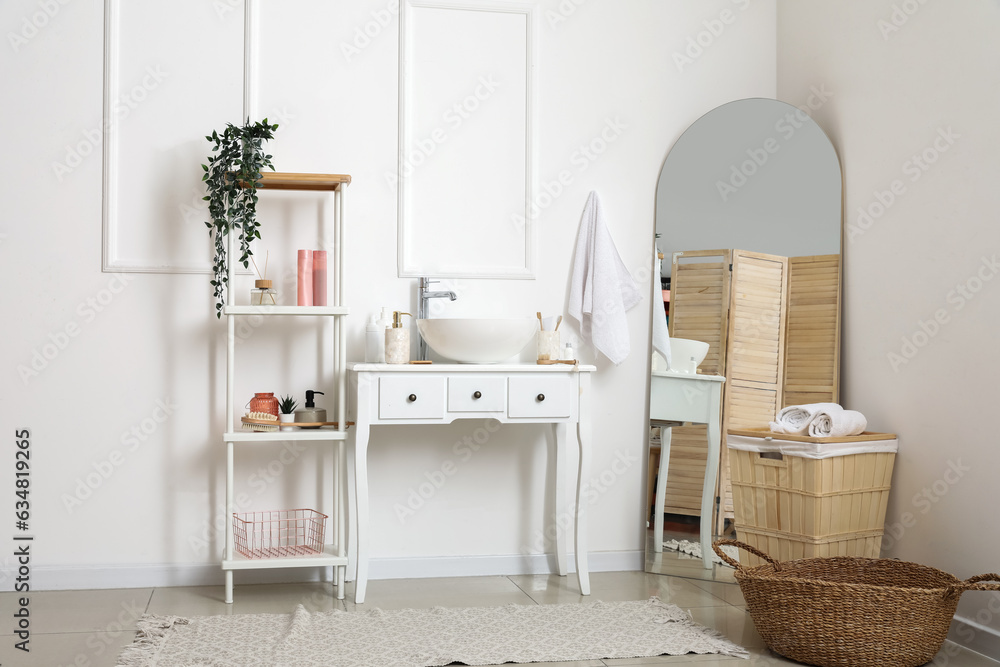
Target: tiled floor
[(89, 628)]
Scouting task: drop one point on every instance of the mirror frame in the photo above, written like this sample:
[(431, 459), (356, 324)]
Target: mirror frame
[(679, 564)]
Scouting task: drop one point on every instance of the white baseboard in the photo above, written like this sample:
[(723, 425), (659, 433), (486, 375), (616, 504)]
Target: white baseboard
[(78, 577), (975, 637), (482, 566)]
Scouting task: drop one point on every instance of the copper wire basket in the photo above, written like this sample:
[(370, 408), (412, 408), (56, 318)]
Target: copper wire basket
[(279, 533), (851, 612)]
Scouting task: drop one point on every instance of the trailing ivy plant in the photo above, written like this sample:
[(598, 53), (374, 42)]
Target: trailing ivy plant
[(232, 176)]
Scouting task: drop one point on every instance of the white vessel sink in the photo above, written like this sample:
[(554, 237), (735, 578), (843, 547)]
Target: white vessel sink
[(686, 355), (476, 340)]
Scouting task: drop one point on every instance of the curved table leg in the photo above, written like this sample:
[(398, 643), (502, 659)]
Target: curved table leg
[(562, 546), (583, 435), (711, 473), (661, 488), (361, 431)]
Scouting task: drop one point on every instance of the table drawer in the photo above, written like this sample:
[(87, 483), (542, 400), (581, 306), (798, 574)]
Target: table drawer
[(477, 393), (539, 396), (411, 397)]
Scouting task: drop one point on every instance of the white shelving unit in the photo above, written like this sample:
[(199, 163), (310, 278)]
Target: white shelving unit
[(335, 551)]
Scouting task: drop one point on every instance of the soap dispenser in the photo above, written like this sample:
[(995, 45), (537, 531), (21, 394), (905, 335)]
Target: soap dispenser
[(310, 413), (397, 341)]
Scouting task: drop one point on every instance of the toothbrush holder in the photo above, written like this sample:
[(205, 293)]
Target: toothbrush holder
[(548, 345)]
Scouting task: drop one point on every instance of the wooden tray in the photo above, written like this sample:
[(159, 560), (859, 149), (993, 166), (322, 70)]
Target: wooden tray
[(267, 422)]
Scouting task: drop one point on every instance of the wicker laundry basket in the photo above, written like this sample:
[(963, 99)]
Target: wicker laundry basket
[(803, 497), (851, 612)]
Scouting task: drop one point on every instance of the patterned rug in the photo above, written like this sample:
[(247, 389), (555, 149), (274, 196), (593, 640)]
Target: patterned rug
[(424, 637), (694, 549)]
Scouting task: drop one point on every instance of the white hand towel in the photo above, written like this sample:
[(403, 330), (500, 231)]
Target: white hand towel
[(661, 335), (837, 424), (795, 419), (602, 288)]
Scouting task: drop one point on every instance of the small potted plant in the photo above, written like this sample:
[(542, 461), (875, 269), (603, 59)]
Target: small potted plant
[(287, 407)]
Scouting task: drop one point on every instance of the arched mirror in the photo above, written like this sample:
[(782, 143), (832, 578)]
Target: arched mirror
[(752, 189)]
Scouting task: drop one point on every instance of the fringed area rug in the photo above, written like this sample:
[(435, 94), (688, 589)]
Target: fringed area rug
[(694, 549), (424, 637)]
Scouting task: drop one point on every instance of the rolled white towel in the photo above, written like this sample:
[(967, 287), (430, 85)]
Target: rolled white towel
[(837, 424), (795, 419)]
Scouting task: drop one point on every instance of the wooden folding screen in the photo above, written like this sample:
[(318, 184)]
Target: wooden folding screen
[(812, 331), (773, 328), (755, 356)]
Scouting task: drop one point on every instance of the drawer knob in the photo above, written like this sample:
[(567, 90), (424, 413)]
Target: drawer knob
[(540, 398), (411, 398), (477, 394)]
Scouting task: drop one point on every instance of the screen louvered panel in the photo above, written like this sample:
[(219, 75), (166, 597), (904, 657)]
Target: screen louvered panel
[(757, 318), (699, 301), (812, 331)]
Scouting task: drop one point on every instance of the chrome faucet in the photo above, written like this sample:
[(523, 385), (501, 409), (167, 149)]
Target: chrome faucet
[(422, 296)]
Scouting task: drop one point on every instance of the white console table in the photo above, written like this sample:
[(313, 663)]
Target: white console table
[(441, 393), (696, 399)]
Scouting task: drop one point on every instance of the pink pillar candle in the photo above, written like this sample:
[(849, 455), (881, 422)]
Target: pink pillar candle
[(305, 278), (319, 277)]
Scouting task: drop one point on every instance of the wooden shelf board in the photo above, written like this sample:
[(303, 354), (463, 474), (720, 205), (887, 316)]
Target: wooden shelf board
[(277, 180)]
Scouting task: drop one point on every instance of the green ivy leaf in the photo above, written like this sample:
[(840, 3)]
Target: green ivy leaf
[(231, 177)]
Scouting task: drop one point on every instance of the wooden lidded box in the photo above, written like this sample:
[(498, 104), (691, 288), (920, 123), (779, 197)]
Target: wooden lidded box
[(803, 497)]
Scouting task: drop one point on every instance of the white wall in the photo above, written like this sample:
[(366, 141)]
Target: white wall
[(153, 338), (903, 76)]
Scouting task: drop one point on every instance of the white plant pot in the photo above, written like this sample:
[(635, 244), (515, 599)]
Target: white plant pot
[(286, 419)]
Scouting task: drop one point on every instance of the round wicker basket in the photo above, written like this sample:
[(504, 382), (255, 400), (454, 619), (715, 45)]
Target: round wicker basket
[(851, 612)]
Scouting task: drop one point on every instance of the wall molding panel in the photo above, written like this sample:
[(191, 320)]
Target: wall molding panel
[(114, 257), (490, 233)]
